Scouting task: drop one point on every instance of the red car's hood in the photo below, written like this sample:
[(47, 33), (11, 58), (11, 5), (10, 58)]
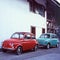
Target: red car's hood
[(13, 40)]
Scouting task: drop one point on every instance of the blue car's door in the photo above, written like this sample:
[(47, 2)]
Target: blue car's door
[(53, 40)]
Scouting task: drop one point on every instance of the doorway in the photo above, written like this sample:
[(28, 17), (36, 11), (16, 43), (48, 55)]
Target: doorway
[(33, 30), (43, 30)]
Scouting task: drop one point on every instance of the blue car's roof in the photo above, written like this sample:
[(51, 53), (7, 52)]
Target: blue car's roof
[(50, 33)]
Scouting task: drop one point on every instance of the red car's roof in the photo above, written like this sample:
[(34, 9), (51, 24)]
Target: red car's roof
[(24, 33)]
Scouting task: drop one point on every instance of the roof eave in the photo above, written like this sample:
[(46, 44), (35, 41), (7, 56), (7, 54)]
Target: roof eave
[(56, 2)]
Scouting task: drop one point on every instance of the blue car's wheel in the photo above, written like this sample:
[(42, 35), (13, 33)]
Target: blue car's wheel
[(57, 45), (48, 46)]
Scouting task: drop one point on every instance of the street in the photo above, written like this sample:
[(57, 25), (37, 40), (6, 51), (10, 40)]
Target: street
[(40, 54)]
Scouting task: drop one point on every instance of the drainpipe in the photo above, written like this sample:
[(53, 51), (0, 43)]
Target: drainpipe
[(46, 20), (46, 16)]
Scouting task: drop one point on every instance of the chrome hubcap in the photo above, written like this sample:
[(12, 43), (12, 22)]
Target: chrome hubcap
[(19, 50), (57, 45), (48, 46), (36, 47)]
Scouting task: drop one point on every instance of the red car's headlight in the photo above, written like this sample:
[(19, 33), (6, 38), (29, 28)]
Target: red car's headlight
[(11, 44)]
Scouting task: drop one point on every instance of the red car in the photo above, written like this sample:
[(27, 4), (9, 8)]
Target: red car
[(20, 41)]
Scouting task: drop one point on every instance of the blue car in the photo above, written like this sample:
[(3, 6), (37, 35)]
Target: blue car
[(48, 40)]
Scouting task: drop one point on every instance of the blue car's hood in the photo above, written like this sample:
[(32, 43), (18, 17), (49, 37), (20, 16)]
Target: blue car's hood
[(42, 39)]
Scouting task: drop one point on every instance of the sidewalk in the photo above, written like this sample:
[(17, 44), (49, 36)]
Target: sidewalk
[(52, 56)]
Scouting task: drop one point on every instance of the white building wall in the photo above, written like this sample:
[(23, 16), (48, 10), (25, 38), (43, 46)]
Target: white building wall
[(16, 17)]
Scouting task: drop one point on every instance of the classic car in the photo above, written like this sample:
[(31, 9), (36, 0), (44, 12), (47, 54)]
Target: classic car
[(19, 42), (48, 40)]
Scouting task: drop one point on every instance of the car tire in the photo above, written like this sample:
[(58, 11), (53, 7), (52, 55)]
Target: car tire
[(35, 48), (48, 46), (57, 46), (4, 50), (18, 50)]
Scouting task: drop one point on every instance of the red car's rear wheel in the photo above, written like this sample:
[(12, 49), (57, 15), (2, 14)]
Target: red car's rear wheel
[(35, 48)]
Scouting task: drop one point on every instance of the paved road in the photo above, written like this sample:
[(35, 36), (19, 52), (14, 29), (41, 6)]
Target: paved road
[(40, 54)]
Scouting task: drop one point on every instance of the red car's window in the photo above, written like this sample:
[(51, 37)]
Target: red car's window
[(21, 35), (27, 36), (33, 37), (16, 35)]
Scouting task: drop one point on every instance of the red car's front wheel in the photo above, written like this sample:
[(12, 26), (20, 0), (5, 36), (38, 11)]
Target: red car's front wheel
[(19, 50), (4, 50)]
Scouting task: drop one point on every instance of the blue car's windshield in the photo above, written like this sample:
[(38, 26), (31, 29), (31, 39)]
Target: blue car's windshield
[(45, 36)]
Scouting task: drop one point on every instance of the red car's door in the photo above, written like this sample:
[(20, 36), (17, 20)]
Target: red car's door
[(27, 43)]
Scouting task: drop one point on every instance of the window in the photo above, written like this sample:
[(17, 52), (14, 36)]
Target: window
[(28, 36), (35, 7), (45, 36), (40, 9), (32, 5), (33, 37), (54, 36), (21, 36), (15, 36)]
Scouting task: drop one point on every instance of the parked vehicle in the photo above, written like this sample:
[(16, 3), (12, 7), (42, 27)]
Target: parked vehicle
[(20, 41), (48, 40)]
